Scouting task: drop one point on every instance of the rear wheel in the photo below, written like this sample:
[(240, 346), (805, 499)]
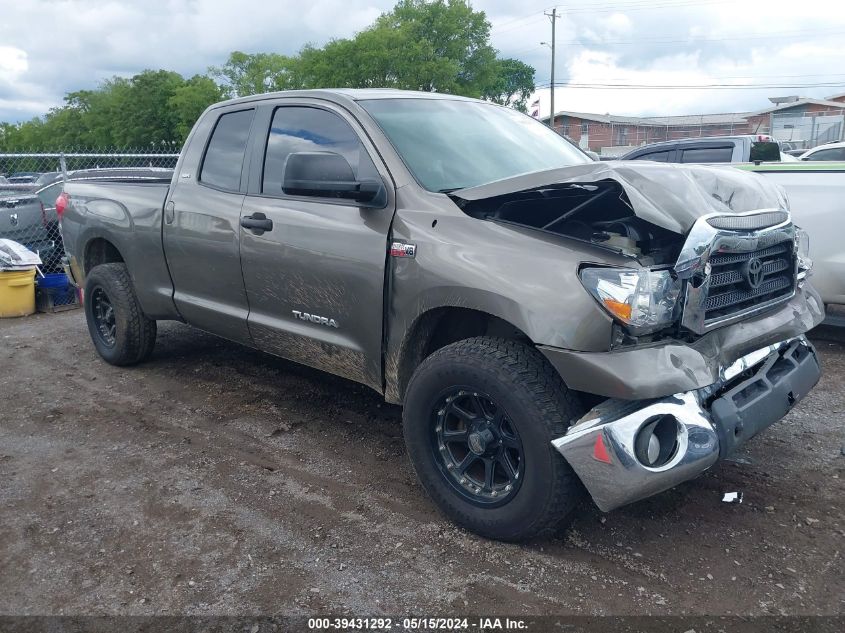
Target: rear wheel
[(120, 331), (479, 418)]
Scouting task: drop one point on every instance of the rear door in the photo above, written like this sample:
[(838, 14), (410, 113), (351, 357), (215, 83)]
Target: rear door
[(201, 226), (315, 281)]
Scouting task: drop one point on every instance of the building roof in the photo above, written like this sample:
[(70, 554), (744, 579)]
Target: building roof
[(657, 121), (800, 102), (836, 98)]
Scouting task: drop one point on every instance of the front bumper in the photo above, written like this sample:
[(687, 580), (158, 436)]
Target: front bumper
[(605, 449)]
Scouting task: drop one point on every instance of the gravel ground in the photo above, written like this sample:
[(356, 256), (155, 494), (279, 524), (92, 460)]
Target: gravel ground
[(218, 480)]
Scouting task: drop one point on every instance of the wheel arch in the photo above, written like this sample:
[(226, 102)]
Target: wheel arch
[(434, 329), (100, 250)]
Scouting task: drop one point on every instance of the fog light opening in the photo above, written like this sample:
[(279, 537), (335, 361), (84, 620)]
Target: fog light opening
[(657, 441)]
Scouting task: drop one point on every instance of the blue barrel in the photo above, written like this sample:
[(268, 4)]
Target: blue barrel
[(58, 287)]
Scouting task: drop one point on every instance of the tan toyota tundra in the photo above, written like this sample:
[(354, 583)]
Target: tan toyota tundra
[(550, 324)]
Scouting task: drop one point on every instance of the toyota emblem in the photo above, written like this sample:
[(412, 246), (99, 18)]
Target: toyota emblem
[(754, 273)]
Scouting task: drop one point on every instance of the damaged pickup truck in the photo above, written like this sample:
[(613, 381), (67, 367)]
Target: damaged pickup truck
[(545, 321)]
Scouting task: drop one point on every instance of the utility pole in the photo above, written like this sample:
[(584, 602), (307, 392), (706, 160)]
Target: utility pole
[(553, 16)]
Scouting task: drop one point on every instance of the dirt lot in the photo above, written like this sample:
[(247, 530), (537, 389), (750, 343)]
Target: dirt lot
[(217, 480)]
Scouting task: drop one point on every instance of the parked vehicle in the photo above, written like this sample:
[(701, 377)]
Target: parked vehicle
[(826, 153), (23, 177), (712, 149), (542, 318), (22, 219), (816, 194)]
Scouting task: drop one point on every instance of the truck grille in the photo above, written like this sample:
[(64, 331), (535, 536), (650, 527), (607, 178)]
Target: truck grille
[(743, 281)]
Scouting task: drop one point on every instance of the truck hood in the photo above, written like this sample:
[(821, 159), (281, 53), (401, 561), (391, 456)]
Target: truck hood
[(668, 195)]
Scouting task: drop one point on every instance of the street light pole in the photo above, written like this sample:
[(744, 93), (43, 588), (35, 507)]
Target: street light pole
[(553, 16)]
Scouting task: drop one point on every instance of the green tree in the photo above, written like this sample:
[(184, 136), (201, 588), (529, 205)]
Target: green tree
[(245, 74), (511, 84), (190, 100), (440, 46)]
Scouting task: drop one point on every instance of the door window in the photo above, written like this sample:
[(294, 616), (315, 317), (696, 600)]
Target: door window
[(303, 129), (224, 157), (707, 154)]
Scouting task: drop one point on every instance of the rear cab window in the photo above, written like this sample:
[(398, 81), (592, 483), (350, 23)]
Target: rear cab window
[(224, 156), (661, 157), (721, 154)]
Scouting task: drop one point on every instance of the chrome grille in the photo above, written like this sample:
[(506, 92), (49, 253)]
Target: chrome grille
[(734, 288)]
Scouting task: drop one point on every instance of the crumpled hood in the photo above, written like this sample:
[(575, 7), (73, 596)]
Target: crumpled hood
[(668, 195)]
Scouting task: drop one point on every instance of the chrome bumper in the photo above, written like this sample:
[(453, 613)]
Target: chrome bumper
[(606, 449)]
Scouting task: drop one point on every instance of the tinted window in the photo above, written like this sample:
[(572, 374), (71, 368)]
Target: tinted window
[(450, 144), (298, 129), (836, 153), (224, 157), (708, 154), (764, 150), (661, 157)]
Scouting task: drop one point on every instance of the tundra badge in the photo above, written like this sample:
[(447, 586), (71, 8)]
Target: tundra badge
[(319, 320)]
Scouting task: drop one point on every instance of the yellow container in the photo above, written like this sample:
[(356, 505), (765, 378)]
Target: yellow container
[(17, 293)]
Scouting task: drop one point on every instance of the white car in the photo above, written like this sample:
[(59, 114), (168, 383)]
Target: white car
[(828, 152)]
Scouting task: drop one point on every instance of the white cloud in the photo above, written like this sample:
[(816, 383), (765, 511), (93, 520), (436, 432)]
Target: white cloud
[(51, 47)]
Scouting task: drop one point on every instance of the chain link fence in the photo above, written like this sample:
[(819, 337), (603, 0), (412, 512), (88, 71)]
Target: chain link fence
[(807, 130), (30, 182)]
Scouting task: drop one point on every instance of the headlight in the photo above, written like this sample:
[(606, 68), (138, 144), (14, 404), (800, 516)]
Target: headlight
[(802, 244), (643, 299)]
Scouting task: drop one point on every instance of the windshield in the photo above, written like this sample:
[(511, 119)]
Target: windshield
[(451, 145)]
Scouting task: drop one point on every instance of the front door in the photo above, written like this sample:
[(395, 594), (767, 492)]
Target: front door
[(202, 230), (314, 274)]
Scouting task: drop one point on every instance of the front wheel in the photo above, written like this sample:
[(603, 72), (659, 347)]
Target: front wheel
[(479, 418), (120, 331)]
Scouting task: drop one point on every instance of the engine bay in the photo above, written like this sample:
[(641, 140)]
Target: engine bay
[(598, 213)]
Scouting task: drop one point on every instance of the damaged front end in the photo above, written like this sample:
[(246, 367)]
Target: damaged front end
[(707, 346), (626, 450)]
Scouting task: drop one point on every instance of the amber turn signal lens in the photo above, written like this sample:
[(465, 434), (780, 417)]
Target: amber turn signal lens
[(622, 310)]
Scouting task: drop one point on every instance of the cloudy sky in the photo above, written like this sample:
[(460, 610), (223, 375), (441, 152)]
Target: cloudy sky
[(50, 47)]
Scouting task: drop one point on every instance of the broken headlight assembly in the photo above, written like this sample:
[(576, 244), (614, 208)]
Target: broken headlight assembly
[(802, 251), (643, 299)]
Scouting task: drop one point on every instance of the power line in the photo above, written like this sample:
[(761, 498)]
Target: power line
[(695, 39), (611, 86)]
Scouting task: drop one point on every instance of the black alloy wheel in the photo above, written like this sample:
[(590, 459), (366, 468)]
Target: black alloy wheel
[(104, 317), (477, 447)]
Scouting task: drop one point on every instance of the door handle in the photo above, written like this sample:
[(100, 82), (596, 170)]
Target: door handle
[(257, 223)]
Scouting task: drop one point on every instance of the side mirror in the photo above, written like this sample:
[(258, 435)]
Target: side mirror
[(325, 175)]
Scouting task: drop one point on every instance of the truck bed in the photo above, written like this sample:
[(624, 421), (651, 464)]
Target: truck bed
[(130, 214)]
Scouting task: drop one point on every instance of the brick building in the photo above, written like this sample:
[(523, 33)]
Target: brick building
[(802, 121)]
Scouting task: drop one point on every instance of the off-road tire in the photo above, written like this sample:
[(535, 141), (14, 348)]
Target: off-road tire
[(135, 334), (522, 381)]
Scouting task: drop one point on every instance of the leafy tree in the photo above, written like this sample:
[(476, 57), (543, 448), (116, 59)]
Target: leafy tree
[(511, 85), (189, 100), (440, 46), (245, 74)]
